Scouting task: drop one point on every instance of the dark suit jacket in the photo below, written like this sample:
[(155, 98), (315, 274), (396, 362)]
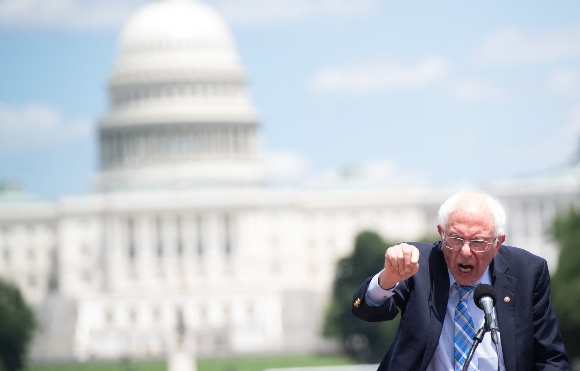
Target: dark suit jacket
[(530, 337)]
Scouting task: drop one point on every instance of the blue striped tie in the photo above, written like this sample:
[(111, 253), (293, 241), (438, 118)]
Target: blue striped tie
[(464, 330)]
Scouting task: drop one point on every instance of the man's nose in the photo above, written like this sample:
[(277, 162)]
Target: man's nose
[(466, 249)]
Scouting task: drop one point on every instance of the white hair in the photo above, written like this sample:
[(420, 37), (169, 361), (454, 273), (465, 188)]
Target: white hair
[(493, 203)]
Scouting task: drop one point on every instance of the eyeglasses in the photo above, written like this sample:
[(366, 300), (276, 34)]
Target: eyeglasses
[(457, 243)]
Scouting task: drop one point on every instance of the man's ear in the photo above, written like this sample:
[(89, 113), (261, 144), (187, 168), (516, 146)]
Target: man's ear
[(500, 240), (440, 230)]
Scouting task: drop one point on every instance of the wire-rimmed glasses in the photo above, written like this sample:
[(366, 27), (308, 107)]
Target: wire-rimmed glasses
[(457, 243)]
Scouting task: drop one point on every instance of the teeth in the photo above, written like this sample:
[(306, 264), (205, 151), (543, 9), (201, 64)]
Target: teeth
[(465, 268)]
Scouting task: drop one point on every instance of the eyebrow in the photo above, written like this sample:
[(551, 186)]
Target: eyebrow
[(452, 234)]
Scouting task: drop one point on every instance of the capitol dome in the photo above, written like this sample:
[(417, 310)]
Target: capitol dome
[(179, 110), (176, 33)]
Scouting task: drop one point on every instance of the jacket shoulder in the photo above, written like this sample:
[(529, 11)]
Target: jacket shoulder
[(518, 255)]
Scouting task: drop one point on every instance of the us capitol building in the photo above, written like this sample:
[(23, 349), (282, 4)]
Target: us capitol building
[(182, 229)]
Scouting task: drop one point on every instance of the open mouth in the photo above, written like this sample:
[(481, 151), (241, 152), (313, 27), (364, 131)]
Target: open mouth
[(465, 268)]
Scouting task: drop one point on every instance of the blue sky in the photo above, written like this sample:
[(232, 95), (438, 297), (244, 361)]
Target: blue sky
[(404, 92)]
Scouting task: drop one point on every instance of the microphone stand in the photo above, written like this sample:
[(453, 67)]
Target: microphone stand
[(476, 341)]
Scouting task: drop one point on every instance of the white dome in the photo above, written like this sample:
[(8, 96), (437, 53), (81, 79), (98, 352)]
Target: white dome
[(179, 113), (179, 34)]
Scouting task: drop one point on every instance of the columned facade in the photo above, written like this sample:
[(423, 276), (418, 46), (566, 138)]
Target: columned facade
[(169, 143)]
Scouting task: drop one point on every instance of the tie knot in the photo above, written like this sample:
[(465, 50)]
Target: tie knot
[(464, 291)]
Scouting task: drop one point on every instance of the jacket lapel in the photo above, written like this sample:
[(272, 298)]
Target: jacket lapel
[(438, 297), (505, 289)]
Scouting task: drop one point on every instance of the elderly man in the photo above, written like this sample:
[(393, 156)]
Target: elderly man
[(432, 286)]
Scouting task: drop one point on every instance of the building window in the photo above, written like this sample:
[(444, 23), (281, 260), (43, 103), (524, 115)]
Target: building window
[(227, 315), (32, 281), (132, 316), (180, 323), (250, 312), (159, 234), (131, 240), (203, 315), (179, 232), (53, 274), (227, 235), (109, 317), (200, 246), (156, 314), (6, 255)]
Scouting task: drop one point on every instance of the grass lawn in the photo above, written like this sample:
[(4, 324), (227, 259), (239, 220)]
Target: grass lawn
[(213, 364)]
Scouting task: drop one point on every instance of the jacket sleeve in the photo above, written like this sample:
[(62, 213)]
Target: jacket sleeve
[(385, 312), (549, 352)]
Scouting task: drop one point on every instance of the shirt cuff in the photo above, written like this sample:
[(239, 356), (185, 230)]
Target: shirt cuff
[(376, 295)]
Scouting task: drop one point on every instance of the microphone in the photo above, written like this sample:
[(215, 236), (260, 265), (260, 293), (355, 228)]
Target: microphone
[(484, 298)]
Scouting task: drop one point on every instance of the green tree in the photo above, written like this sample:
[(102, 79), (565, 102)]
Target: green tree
[(566, 281), (17, 325), (366, 341)]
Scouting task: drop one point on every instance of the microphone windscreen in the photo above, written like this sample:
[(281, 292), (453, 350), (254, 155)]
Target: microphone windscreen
[(481, 291)]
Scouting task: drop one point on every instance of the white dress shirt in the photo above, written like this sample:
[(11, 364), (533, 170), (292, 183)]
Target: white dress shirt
[(443, 358)]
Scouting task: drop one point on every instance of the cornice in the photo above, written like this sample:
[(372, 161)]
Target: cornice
[(144, 75)]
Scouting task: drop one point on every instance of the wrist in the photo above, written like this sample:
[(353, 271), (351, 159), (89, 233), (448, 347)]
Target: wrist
[(384, 283)]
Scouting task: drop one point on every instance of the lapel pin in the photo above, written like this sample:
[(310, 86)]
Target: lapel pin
[(357, 303), (507, 299)]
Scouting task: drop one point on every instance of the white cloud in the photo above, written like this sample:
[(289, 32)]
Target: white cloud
[(249, 12), (66, 14), (35, 125), (513, 46), (478, 91), (286, 166), (378, 77), (107, 14), (564, 80)]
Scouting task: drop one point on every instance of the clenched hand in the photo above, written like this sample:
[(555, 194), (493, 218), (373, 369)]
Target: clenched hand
[(401, 262)]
